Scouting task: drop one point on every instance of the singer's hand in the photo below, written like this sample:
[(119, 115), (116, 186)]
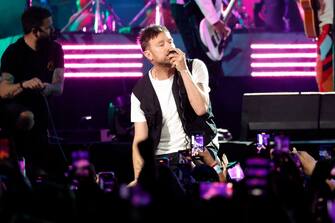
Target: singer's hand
[(33, 84), (177, 59)]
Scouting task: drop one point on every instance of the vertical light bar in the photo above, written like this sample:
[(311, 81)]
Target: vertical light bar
[(158, 13)]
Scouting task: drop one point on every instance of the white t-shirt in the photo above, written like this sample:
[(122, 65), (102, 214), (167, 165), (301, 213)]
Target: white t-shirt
[(327, 16), (173, 137)]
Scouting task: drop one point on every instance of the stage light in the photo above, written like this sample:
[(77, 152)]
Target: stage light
[(282, 59), (101, 47), (104, 56), (103, 65), (102, 74), (283, 46), (283, 73), (282, 55), (284, 64)]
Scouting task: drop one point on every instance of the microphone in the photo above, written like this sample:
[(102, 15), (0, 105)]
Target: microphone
[(172, 52)]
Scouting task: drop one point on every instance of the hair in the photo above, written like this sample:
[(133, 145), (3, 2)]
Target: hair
[(148, 33), (33, 18)]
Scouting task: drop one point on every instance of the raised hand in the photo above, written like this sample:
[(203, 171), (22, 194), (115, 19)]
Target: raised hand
[(177, 59)]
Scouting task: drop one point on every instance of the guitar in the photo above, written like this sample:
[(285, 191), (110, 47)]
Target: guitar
[(311, 23), (213, 40)]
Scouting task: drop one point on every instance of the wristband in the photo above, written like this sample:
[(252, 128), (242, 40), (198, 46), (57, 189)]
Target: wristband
[(216, 167), (214, 164), (21, 85)]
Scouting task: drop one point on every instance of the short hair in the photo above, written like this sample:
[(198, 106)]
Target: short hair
[(148, 33), (33, 18)]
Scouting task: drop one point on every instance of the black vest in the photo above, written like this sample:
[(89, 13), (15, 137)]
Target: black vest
[(145, 93)]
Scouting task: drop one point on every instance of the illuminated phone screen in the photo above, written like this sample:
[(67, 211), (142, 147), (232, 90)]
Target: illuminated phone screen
[(197, 141), (209, 190), (236, 173)]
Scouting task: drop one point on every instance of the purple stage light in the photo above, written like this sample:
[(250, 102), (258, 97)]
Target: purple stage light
[(282, 60), (102, 74), (102, 60)]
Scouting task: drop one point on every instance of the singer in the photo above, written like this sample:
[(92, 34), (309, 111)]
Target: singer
[(32, 69), (171, 102)]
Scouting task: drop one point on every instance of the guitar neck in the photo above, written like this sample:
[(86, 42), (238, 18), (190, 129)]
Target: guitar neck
[(228, 10)]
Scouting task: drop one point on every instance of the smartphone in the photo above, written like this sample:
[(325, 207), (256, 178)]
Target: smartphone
[(106, 181), (209, 190), (79, 155), (263, 139), (325, 152), (80, 162), (197, 144), (235, 172), (282, 143)]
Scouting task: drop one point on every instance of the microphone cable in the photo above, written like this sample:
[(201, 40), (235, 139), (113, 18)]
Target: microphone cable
[(54, 129)]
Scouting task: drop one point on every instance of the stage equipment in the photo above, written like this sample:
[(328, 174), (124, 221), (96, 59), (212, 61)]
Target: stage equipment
[(95, 16)]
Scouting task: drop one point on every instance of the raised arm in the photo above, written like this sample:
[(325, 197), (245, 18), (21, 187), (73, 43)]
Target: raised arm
[(209, 11), (196, 92)]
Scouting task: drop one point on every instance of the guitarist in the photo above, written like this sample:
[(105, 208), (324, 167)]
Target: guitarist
[(187, 15), (212, 13), (325, 43)]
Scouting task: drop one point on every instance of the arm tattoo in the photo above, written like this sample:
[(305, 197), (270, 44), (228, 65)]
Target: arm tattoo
[(58, 76), (8, 77)]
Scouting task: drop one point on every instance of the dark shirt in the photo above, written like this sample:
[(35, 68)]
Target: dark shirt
[(24, 63)]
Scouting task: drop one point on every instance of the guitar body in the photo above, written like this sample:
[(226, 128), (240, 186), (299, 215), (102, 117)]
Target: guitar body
[(211, 39), (310, 18)]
